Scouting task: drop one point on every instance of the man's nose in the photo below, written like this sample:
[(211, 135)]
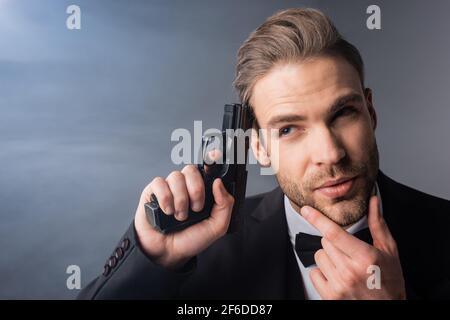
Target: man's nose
[(325, 147)]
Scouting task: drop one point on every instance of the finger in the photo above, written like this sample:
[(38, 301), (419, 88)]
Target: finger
[(382, 237), (146, 194), (214, 155), (214, 162), (339, 259), (223, 205), (325, 265), (162, 192), (141, 222), (344, 241), (319, 282), (195, 187), (177, 185)]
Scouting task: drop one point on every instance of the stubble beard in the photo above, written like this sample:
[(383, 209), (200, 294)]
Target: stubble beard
[(345, 210)]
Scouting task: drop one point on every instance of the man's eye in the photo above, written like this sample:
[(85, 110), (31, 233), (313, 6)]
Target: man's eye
[(285, 131), (346, 111)]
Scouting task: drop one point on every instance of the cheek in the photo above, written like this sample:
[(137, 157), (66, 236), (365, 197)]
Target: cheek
[(292, 162)]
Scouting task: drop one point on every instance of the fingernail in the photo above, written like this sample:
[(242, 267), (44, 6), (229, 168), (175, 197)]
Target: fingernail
[(196, 206), (221, 186), (168, 210), (180, 215)]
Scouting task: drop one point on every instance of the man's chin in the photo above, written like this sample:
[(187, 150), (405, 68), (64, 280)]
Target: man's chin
[(344, 212)]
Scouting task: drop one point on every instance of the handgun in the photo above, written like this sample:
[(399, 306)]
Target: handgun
[(233, 144)]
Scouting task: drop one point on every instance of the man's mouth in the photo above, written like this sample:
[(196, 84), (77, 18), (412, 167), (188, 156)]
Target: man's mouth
[(337, 187)]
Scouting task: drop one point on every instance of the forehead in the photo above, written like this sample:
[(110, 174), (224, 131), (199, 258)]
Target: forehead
[(311, 84)]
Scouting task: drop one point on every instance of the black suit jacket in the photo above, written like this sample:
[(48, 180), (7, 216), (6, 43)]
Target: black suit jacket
[(258, 262)]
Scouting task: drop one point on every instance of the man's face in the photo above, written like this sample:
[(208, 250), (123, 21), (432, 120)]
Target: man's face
[(325, 126)]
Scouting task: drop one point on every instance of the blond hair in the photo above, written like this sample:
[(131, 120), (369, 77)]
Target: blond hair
[(290, 35)]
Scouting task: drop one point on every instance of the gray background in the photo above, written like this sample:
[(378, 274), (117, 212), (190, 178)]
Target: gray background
[(86, 116)]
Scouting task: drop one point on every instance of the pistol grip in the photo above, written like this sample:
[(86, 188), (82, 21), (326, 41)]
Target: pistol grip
[(167, 223)]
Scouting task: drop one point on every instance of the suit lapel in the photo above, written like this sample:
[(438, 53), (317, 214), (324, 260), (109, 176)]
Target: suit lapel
[(269, 259), (393, 201)]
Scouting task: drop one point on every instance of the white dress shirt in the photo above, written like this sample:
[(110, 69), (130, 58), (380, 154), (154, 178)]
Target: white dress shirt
[(296, 223)]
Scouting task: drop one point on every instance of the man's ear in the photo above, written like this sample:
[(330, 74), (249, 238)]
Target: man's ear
[(258, 149), (370, 107)]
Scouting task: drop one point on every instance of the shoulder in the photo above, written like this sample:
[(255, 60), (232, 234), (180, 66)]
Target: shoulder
[(418, 202), (414, 212), (252, 202)]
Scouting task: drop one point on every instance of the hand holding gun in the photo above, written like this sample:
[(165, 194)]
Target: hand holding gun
[(180, 216)]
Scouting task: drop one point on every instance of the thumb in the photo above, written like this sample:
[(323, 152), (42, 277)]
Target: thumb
[(223, 205), (382, 237)]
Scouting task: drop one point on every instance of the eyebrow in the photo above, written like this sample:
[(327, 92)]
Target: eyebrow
[(336, 106)]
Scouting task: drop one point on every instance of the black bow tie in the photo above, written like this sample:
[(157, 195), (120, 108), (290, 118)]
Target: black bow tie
[(306, 245)]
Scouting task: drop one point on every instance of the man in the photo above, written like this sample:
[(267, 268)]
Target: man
[(335, 228)]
